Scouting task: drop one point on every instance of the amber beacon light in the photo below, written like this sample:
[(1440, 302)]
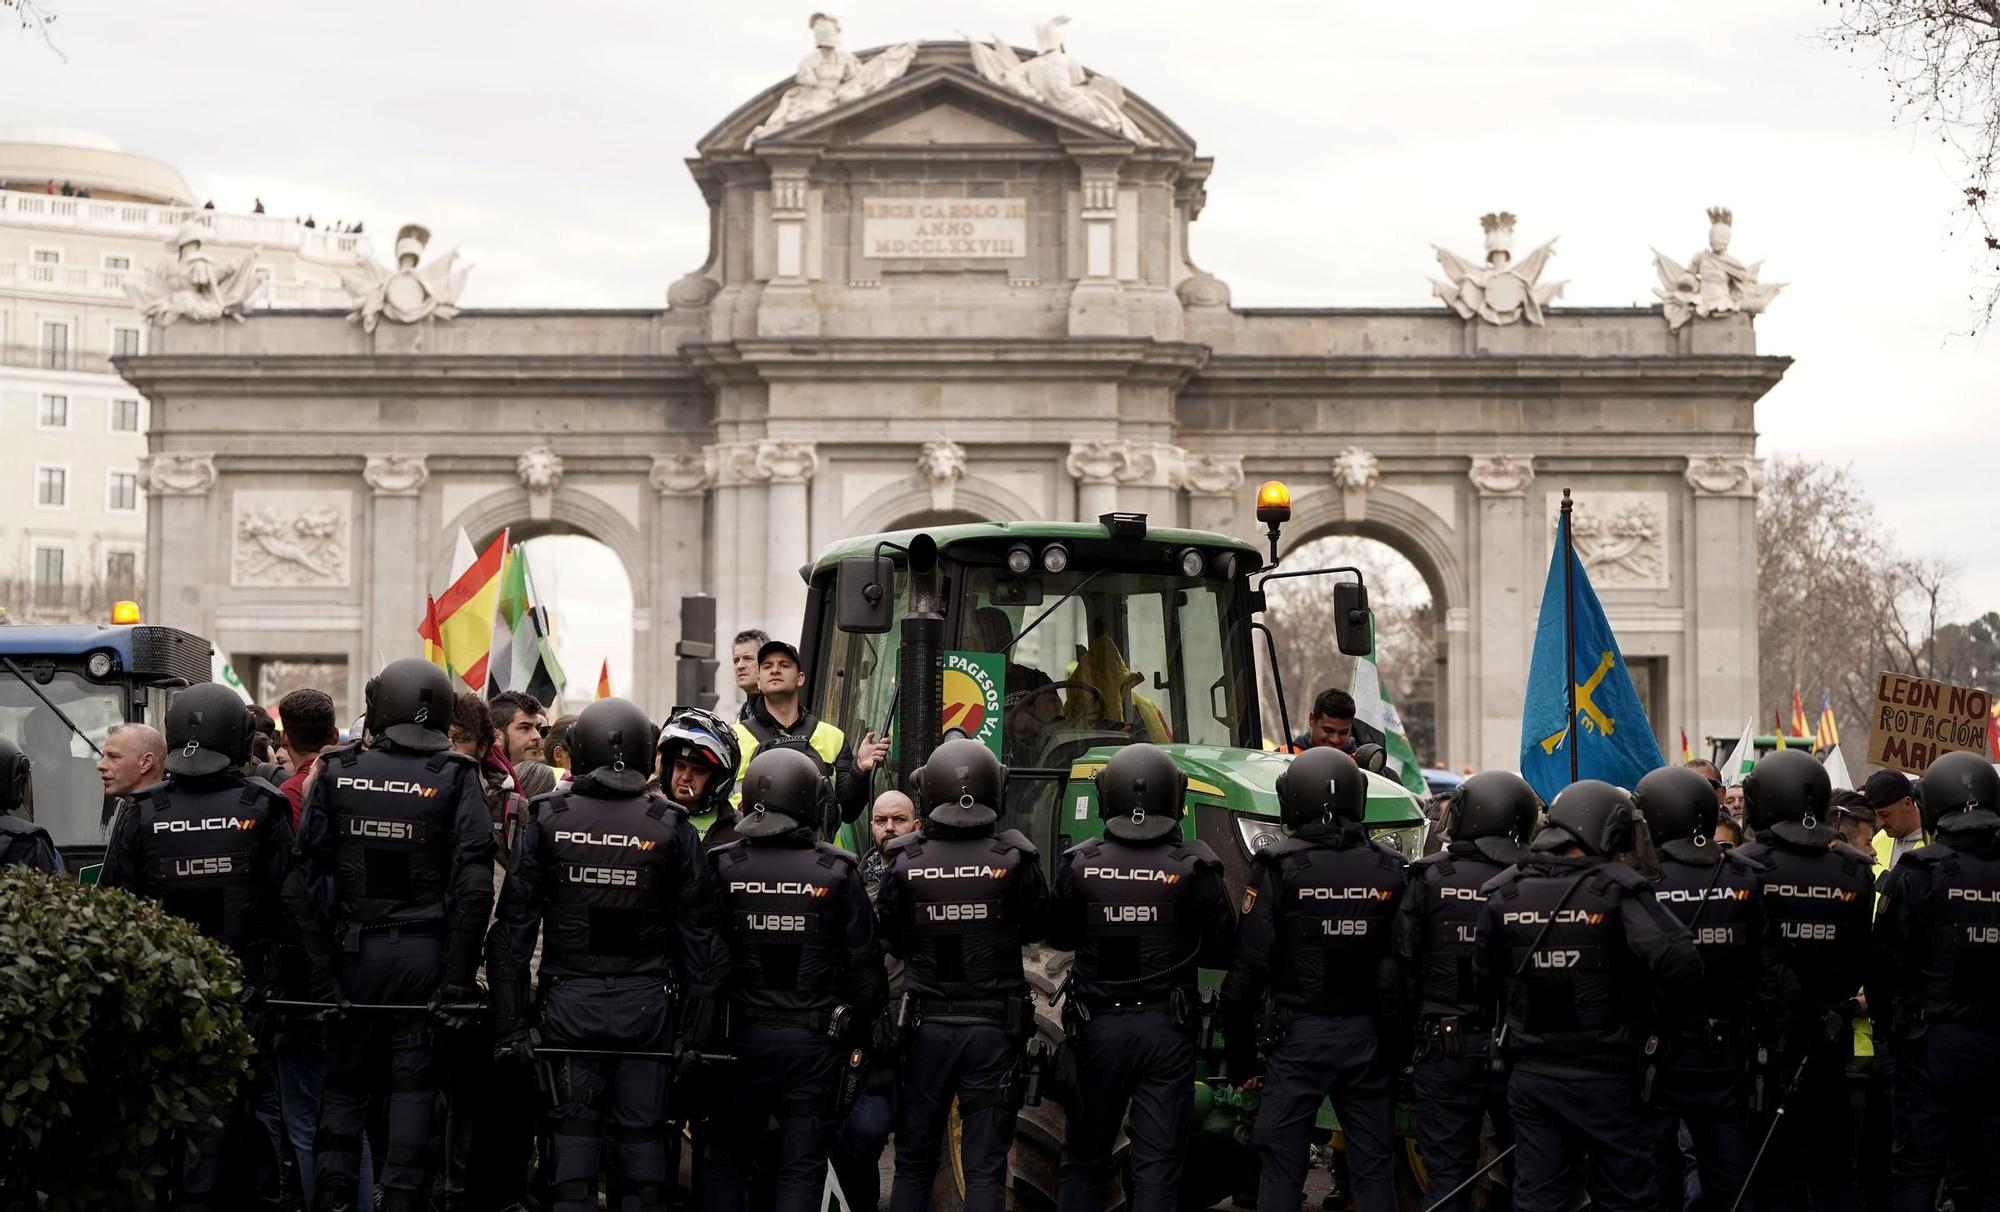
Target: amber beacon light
[(1274, 509), (128, 612)]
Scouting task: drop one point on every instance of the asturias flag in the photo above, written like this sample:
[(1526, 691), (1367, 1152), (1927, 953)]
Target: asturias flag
[(1613, 740)]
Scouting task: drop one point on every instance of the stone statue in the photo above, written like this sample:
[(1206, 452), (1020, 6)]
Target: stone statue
[(1503, 290), (1714, 283), (830, 76), (191, 286), (411, 292), (1056, 80)]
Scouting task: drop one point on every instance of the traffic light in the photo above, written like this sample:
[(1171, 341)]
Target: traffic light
[(695, 663)]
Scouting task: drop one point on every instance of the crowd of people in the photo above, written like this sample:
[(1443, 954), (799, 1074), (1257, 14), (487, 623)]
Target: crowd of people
[(492, 962)]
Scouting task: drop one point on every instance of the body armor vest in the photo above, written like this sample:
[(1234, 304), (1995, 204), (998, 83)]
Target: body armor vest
[(1142, 924), (611, 885), (393, 816), (784, 913), (963, 943), (1574, 996), (1819, 905), (1958, 976), (1453, 904), (1719, 905), (1333, 915), (198, 851)]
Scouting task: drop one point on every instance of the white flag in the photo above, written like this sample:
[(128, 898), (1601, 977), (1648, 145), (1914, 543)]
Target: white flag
[(1741, 758), (219, 671), (1373, 708), (1836, 770)]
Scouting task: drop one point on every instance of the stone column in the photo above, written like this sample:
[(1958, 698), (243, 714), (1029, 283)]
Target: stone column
[(1214, 484), (1148, 481), (789, 466), (1503, 576), (740, 537), (1096, 465), (1721, 632), (180, 590), (675, 550), (786, 306), (1094, 300), (396, 564)]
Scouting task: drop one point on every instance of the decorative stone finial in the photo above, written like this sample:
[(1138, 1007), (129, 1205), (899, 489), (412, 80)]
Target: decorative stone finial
[(1503, 290), (1714, 283), (191, 285), (411, 292)]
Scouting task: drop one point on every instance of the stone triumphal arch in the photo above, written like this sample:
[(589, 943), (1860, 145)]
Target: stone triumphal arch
[(952, 280)]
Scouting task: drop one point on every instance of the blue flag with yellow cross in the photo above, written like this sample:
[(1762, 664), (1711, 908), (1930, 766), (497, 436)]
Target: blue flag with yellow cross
[(1612, 737)]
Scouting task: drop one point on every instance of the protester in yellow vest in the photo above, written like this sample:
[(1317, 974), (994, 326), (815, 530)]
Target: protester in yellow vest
[(778, 718)]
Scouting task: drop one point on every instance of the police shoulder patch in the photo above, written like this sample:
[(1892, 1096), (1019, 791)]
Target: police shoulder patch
[(1249, 899)]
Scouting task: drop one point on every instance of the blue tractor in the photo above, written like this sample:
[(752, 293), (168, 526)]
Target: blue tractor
[(63, 687)]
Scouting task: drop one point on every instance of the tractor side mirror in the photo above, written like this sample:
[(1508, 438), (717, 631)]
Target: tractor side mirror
[(1353, 626), (1371, 757), (864, 595)]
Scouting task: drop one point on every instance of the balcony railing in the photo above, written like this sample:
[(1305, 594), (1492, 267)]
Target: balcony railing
[(44, 277), (35, 357), (144, 219)]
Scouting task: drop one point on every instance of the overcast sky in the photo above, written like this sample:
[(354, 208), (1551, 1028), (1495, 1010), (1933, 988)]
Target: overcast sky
[(547, 140)]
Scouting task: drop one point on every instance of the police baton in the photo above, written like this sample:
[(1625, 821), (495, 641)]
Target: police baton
[(378, 1007), (1777, 1117), (621, 1054), (1478, 1174)]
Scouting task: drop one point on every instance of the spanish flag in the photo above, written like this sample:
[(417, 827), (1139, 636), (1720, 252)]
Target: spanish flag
[(604, 679), (465, 614), (432, 635)]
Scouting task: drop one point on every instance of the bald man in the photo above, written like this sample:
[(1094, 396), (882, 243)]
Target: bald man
[(131, 758)]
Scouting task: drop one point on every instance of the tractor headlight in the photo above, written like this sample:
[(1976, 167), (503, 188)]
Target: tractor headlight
[(1406, 840), (1192, 562), (1055, 558), (1020, 558), (99, 664)]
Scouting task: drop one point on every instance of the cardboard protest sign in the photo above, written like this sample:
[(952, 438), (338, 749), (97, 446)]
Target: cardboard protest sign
[(1915, 721)]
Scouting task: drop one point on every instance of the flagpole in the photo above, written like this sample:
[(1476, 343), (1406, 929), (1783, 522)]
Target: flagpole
[(1569, 632)]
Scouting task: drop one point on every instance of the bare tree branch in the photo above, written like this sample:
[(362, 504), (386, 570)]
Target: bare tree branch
[(35, 16)]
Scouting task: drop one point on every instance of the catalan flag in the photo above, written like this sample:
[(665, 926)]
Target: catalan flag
[(604, 679), (466, 612), (1828, 734)]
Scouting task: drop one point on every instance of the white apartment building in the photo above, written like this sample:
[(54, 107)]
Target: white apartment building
[(72, 432)]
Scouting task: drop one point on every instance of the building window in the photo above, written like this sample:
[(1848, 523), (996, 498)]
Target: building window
[(124, 416), (52, 487), (124, 494), (48, 256), (121, 572), (55, 345), (54, 413), (116, 262), (124, 342), (48, 569)]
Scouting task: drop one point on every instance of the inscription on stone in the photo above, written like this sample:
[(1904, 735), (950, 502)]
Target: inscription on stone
[(944, 227)]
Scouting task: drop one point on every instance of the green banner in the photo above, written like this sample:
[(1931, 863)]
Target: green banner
[(974, 687)]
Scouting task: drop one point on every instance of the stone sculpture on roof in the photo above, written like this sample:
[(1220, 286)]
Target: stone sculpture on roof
[(1714, 283), (830, 76), (412, 291), (1056, 80), (1503, 290), (190, 285)]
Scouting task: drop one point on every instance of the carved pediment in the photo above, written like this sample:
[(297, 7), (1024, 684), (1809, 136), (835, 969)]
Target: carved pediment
[(943, 123)]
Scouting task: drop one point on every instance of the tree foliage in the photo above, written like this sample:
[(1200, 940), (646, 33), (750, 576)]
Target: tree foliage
[(119, 1028), (1941, 59)]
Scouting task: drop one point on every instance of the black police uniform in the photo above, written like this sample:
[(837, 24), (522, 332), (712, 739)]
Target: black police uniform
[(806, 985), (24, 843), (397, 844), (1143, 919), (1317, 916), (1581, 956), (615, 885), (1935, 989), (216, 851), (1437, 942), (957, 905)]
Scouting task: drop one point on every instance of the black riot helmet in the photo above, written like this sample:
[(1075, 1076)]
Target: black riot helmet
[(783, 790), (611, 746), (1788, 792), (208, 731), (410, 703), (962, 785), (1497, 811), (1321, 787), (1961, 792), (1680, 812), (14, 770), (1594, 815), (1141, 794)]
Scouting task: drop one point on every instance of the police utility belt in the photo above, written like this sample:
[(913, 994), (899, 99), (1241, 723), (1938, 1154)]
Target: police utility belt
[(1445, 1035), (1012, 1014), (1178, 1001), (833, 1022)]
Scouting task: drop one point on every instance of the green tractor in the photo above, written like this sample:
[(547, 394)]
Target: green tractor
[(1057, 643)]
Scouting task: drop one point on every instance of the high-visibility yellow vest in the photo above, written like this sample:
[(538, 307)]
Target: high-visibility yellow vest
[(1884, 846), (826, 741)]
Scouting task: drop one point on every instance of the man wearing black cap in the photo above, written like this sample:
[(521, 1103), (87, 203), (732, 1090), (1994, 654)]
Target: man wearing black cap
[(1899, 823), (779, 719)]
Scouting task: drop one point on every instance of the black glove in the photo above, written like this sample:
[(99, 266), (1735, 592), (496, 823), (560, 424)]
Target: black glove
[(449, 1003), (516, 1041)]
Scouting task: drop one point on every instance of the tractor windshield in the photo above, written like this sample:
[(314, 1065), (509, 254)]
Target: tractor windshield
[(68, 795)]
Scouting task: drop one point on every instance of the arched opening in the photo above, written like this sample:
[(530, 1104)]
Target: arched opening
[(1408, 637), (588, 595), (922, 518)]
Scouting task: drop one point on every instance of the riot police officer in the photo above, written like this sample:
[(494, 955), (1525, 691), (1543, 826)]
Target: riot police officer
[(395, 838), (1699, 1068), (1315, 940), (806, 983), (956, 905), (1436, 938), (1144, 910), (215, 848), (1581, 954), (1816, 899), (613, 879), (21, 841), (1935, 985)]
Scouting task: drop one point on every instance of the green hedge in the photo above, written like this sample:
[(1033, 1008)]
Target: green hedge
[(118, 1024)]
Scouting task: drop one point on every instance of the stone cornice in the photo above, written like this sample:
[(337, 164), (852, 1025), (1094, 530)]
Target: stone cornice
[(1120, 359), (167, 375), (1514, 377)]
